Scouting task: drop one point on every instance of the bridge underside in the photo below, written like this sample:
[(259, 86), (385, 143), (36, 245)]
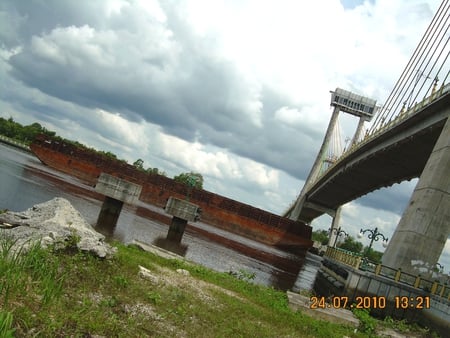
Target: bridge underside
[(398, 154)]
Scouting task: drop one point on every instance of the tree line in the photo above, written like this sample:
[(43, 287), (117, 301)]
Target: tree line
[(24, 134), (27, 133), (349, 244)]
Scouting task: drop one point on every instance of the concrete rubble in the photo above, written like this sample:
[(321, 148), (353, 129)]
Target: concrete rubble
[(55, 222)]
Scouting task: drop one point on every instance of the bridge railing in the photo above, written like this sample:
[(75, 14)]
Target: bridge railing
[(344, 256), (357, 261), (13, 142), (386, 125), (417, 281)]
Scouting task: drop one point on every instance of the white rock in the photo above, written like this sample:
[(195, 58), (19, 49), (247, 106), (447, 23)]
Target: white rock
[(52, 222), (147, 274), (183, 272)]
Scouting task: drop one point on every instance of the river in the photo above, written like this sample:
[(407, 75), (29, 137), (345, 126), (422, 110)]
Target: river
[(25, 181)]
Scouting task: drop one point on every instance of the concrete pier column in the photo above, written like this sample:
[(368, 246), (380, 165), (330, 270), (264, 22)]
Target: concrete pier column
[(116, 191), (334, 227), (182, 212), (176, 229), (109, 214), (424, 227)]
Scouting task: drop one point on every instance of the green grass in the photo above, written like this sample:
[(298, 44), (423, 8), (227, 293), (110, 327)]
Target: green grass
[(61, 293)]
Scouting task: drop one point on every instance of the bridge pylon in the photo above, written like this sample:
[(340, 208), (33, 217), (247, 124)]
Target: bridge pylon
[(424, 228), (348, 102)]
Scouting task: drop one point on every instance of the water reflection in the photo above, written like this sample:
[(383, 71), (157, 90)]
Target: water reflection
[(25, 182)]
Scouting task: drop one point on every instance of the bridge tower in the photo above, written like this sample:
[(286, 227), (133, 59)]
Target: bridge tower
[(421, 234), (348, 102)]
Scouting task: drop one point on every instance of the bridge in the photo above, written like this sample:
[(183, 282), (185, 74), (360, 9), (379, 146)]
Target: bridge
[(408, 138), (396, 152)]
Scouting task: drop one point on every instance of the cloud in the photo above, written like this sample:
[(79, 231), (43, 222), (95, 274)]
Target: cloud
[(237, 90), (186, 69)]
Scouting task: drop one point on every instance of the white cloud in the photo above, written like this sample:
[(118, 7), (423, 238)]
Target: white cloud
[(236, 90)]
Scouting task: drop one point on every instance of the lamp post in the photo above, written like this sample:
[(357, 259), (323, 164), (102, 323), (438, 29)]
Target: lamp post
[(439, 267), (337, 232), (374, 235)]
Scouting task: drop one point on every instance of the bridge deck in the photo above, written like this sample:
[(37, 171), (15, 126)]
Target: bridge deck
[(397, 153)]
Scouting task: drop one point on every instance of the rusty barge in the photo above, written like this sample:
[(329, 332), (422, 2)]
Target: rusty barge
[(217, 210)]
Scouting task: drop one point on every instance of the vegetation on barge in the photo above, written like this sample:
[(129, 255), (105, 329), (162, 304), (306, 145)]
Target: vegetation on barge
[(61, 293)]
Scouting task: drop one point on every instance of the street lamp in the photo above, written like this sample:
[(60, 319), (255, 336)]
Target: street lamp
[(439, 267), (337, 232), (374, 235)]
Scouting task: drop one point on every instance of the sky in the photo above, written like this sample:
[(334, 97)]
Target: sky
[(237, 90)]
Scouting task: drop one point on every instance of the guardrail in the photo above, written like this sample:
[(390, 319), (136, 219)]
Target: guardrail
[(13, 142), (347, 257), (357, 261)]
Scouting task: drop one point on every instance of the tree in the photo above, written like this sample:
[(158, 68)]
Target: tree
[(351, 244), (320, 236), (191, 179), (139, 164), (373, 255), (106, 153), (155, 171)]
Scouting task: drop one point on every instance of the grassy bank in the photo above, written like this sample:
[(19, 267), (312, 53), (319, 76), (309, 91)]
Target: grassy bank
[(61, 293)]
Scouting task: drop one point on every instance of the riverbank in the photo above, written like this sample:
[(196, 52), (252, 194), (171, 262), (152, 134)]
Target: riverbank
[(69, 282), (66, 292)]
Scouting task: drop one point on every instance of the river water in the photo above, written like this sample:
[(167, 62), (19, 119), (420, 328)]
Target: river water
[(25, 181)]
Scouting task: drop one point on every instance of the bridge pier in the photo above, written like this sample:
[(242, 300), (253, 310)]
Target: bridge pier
[(334, 225), (424, 227), (182, 212), (116, 191)]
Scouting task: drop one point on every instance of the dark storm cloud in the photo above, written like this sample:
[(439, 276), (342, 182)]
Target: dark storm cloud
[(165, 75), (29, 18), (87, 56), (394, 198)]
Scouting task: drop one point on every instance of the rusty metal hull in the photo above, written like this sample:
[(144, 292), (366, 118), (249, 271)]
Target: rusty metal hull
[(217, 210)]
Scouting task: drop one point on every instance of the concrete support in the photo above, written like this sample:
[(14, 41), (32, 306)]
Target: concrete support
[(108, 216), (176, 229), (323, 149), (334, 227), (182, 211), (358, 131), (425, 225), (116, 191), (337, 217), (294, 212)]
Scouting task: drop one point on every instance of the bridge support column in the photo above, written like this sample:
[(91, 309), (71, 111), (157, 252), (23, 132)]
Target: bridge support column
[(182, 212), (108, 216), (424, 227), (116, 191), (334, 225), (295, 211), (358, 131)]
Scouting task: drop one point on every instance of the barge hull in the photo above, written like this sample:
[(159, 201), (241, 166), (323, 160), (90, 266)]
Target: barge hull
[(217, 210)]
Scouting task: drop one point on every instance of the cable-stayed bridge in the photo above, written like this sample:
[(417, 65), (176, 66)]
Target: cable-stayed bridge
[(408, 137)]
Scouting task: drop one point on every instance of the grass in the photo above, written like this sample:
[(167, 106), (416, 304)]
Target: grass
[(61, 293)]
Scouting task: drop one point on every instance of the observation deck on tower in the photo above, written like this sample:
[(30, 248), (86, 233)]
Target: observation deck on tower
[(353, 103)]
